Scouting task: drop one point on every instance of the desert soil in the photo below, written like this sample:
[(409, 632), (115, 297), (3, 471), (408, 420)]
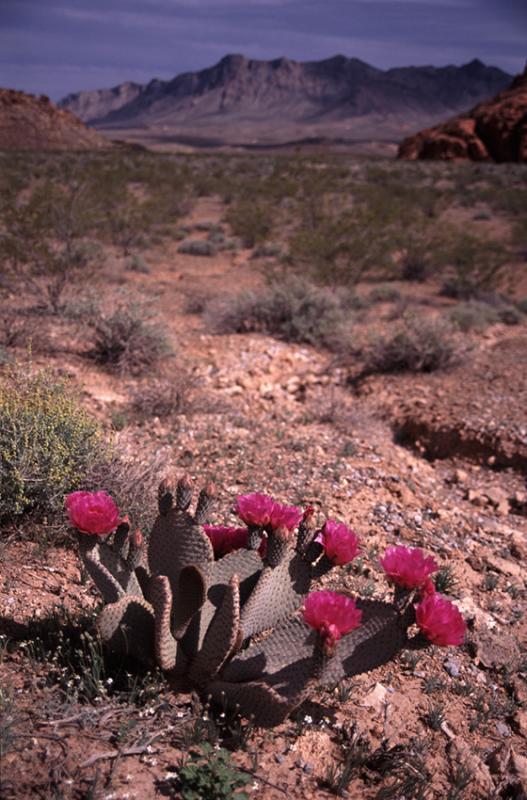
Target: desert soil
[(437, 462)]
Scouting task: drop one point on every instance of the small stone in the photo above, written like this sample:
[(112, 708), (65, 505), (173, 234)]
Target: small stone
[(496, 495), (452, 667), (520, 723), (460, 476), (503, 729), (308, 768), (279, 758), (476, 498)]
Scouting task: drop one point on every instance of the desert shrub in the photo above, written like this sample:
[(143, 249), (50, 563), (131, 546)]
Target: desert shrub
[(43, 242), (473, 316), (293, 310), (472, 265), (251, 220), (196, 301), (17, 330), (417, 345), (165, 398), (197, 247), (267, 250), (129, 338), (416, 261), (384, 294), (510, 315), (137, 264), (207, 226), (47, 442), (489, 310), (128, 478)]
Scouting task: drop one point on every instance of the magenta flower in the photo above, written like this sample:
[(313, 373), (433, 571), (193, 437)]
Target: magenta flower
[(440, 620), (408, 567), (340, 543), (285, 517), (254, 509), (92, 512), (332, 615), (224, 539)]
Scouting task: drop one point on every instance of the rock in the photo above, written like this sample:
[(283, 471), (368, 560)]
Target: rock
[(498, 499), (460, 476), (505, 566), (519, 765), (520, 723), (518, 545), (493, 130), (503, 729), (376, 699), (496, 650), (477, 498), (35, 123), (452, 667), (462, 754)]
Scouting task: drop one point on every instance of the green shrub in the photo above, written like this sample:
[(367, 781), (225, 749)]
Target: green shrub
[(47, 443), (521, 305), (384, 294), (293, 310), (473, 315), (43, 243), (209, 774), (478, 315), (472, 265), (417, 345), (128, 339), (251, 220), (197, 247), (137, 264)]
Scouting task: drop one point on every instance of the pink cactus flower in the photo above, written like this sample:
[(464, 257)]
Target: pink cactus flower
[(285, 517), (254, 509), (340, 543), (92, 512), (428, 588), (440, 620), (224, 539), (408, 567), (332, 615)]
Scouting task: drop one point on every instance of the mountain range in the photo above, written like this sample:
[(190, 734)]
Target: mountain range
[(246, 101)]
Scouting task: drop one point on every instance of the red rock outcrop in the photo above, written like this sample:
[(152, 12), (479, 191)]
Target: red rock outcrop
[(28, 122), (495, 130)]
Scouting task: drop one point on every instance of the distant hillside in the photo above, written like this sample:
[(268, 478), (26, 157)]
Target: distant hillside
[(34, 123), (247, 100), (494, 130)]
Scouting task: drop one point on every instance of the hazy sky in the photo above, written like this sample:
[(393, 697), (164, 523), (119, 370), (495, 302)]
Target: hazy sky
[(59, 46)]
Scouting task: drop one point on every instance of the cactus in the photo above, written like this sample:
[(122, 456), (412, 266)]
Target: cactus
[(230, 627)]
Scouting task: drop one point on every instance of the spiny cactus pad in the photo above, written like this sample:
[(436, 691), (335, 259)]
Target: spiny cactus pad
[(231, 628)]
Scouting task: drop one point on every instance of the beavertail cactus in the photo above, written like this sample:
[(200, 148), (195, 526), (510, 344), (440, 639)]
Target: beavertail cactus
[(229, 610)]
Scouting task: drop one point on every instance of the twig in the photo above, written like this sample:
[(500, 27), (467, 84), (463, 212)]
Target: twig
[(135, 750), (258, 777), (75, 717)]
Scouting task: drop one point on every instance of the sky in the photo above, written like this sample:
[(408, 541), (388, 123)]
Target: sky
[(55, 47)]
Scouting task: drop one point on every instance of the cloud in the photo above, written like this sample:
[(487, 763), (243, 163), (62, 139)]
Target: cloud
[(57, 46)]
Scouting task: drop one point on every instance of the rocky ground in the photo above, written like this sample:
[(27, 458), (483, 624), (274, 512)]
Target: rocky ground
[(431, 461)]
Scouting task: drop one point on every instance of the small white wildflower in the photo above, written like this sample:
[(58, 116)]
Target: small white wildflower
[(308, 720), (109, 681), (170, 776)]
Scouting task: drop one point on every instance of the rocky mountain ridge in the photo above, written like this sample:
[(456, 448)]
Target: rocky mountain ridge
[(28, 122), (336, 97)]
